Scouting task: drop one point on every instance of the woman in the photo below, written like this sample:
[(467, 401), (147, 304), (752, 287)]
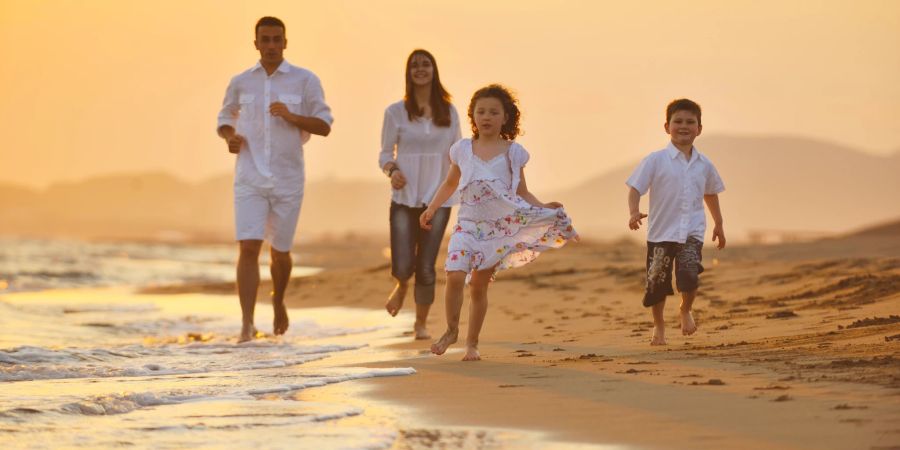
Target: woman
[(415, 139)]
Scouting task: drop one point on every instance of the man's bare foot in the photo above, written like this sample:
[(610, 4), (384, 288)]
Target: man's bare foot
[(688, 326), (281, 322), (421, 332), (248, 333), (471, 354), (659, 336), (440, 346), (395, 300)]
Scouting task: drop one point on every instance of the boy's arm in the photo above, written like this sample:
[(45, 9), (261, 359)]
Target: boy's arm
[(634, 204), (712, 202)]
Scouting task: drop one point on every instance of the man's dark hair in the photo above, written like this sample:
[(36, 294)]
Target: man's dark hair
[(269, 21), (683, 104)]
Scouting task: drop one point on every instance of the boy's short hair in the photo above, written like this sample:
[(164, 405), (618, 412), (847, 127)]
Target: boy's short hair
[(683, 104), (269, 21)]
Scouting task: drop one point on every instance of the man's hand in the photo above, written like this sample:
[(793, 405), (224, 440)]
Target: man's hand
[(635, 221), (719, 234), (235, 142), (279, 109), (397, 179)]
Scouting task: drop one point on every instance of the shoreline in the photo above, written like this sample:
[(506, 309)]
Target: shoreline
[(805, 348)]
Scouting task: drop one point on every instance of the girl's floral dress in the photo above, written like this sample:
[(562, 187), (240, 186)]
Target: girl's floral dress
[(495, 226)]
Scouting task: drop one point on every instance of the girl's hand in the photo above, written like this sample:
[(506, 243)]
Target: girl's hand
[(398, 180), (425, 219), (553, 205)]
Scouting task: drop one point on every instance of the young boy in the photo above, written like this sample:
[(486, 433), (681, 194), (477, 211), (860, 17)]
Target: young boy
[(679, 179)]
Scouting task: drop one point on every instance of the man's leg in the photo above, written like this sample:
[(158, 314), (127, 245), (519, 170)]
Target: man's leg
[(248, 285), (281, 274)]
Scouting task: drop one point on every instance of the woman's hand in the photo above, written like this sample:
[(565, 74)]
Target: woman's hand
[(398, 181), (425, 219)]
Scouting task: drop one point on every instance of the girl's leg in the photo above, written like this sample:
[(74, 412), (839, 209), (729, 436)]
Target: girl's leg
[(429, 243), (456, 282), (404, 232), (478, 286)]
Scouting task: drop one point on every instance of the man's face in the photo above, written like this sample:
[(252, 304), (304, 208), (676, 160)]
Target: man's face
[(270, 42)]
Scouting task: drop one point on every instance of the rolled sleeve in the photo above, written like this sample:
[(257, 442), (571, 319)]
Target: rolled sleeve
[(714, 184), (314, 101), (389, 138), (228, 115), (642, 176)]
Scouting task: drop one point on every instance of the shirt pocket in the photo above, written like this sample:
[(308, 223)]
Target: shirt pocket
[(247, 106), (293, 102)]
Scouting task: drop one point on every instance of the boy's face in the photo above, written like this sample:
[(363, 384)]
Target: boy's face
[(684, 127), (271, 43)]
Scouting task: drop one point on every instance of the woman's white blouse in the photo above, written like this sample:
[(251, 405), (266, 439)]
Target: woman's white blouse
[(420, 149)]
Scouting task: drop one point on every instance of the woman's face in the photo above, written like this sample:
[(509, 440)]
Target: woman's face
[(421, 70)]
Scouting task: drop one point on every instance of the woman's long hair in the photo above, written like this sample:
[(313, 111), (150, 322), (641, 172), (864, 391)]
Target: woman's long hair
[(440, 98)]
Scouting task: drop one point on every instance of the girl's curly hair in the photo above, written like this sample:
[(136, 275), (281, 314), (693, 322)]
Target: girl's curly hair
[(510, 128)]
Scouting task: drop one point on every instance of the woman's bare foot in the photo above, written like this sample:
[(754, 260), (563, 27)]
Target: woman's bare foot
[(471, 354), (659, 336), (688, 326), (248, 333), (440, 346), (281, 322), (421, 332), (395, 300)]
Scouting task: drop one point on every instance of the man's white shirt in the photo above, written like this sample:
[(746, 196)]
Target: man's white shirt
[(677, 187), (272, 156)]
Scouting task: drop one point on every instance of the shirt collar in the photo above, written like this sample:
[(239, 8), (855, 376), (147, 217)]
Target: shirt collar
[(284, 67), (673, 152)]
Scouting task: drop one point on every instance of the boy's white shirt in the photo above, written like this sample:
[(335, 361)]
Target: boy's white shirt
[(677, 187)]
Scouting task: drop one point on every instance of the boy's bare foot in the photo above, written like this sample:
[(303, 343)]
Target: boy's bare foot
[(440, 346), (395, 300), (281, 322), (688, 326), (248, 333), (659, 336), (471, 354), (421, 332)]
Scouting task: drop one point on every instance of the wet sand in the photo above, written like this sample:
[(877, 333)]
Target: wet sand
[(798, 347)]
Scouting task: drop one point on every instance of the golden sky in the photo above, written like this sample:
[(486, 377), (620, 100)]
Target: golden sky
[(96, 87)]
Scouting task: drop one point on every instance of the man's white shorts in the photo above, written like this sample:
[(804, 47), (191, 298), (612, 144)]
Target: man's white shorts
[(263, 214)]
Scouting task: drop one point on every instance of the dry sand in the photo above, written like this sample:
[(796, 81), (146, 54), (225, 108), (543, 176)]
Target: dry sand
[(798, 347)]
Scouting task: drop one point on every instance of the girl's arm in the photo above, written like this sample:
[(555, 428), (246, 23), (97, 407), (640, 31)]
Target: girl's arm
[(523, 192), (440, 197)]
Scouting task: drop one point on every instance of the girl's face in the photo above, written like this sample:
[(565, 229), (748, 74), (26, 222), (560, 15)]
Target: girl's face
[(489, 116), (421, 70)]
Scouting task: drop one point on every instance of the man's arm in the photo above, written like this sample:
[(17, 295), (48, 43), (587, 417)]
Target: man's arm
[(712, 202), (312, 125)]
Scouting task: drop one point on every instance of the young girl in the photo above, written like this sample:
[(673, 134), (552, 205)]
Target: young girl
[(500, 224)]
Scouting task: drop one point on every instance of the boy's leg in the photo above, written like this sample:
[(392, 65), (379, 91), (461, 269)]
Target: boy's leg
[(248, 285), (478, 287), (281, 274), (453, 298), (687, 280), (659, 285), (404, 233)]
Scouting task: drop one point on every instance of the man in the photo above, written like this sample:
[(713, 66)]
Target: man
[(268, 114)]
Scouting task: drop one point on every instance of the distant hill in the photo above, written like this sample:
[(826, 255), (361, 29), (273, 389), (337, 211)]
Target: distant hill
[(775, 185)]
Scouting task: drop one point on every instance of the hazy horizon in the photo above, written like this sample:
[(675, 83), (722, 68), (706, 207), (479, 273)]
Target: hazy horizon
[(106, 87)]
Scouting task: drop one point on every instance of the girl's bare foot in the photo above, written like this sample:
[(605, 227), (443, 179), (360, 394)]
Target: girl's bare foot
[(395, 300), (659, 336), (421, 332), (248, 333), (471, 354), (688, 326), (281, 322), (440, 346)]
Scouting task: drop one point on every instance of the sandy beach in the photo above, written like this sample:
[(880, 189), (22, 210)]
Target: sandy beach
[(798, 347)]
